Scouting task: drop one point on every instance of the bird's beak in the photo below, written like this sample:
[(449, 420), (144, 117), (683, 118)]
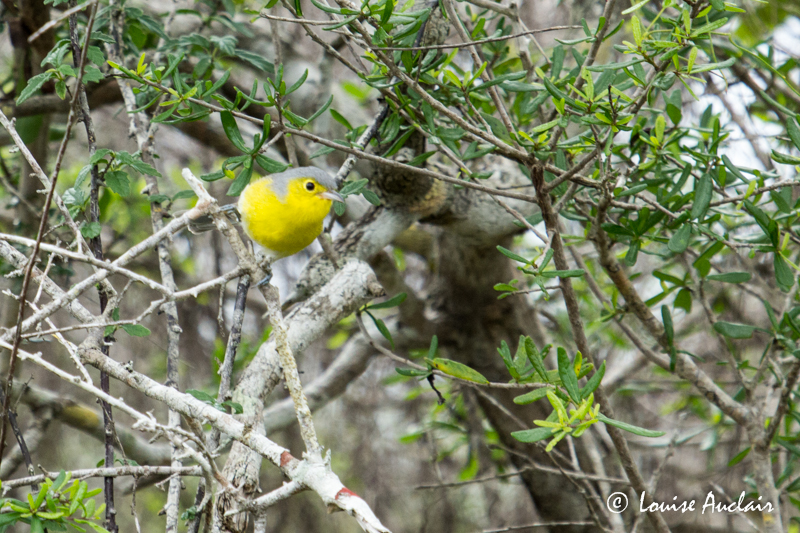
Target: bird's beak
[(332, 195)]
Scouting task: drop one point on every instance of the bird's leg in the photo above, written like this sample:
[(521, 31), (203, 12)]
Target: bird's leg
[(231, 212), (268, 269), (266, 265)]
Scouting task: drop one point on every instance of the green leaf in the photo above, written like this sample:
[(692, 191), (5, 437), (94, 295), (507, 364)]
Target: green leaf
[(91, 230), (702, 196), (707, 28), (34, 84), (629, 427), (768, 226), (785, 159), (61, 89), (536, 359), (270, 166), (256, 60), (734, 331), (520, 361), (58, 481), (544, 127), (319, 111), (739, 456), (684, 300), (680, 240), (421, 158), (566, 372), (386, 14), (353, 187), (521, 87), (381, 325), (593, 382), (98, 156), (202, 396), (614, 66), (137, 164), (782, 199), (92, 74), (783, 273), (714, 66), (158, 198), (241, 181), (532, 435), (338, 117), (733, 168), (295, 119), (181, 195), (7, 519), (669, 330), (456, 369), (118, 181), (412, 372), (322, 150), (511, 255), (794, 132), (296, 85), (232, 130), (79, 496), (783, 441), (371, 197), (394, 301), (136, 330), (497, 126), (636, 27), (505, 353), (433, 347), (731, 277), (635, 7), (574, 273), (532, 396), (236, 408), (674, 106)]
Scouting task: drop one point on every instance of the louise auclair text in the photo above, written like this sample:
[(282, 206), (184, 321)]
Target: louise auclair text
[(711, 504)]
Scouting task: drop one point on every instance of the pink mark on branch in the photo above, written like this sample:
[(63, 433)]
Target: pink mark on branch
[(286, 458), (344, 491)]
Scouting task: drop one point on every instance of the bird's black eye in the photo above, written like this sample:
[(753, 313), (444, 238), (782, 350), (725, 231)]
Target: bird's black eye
[(309, 185)]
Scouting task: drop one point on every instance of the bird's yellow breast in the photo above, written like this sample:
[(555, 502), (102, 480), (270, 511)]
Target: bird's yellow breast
[(283, 226)]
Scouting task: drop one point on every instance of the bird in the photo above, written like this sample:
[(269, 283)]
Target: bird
[(282, 212)]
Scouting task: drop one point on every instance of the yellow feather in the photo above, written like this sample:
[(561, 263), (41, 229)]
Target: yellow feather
[(283, 226)]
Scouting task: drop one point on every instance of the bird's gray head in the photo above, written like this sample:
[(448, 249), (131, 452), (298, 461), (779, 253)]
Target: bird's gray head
[(280, 181)]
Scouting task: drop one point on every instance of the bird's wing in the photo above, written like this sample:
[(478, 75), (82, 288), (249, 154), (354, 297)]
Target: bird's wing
[(206, 222)]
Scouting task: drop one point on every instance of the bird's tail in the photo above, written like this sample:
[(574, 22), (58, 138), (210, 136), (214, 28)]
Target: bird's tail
[(206, 222)]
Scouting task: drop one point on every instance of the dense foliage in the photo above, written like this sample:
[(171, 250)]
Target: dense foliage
[(628, 185)]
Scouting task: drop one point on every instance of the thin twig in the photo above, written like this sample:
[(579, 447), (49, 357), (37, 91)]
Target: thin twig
[(481, 41), (79, 61), (56, 21), (579, 334), (120, 471), (391, 355), (23, 447), (8, 125)]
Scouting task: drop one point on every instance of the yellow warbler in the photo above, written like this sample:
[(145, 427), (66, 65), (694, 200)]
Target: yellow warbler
[(283, 212)]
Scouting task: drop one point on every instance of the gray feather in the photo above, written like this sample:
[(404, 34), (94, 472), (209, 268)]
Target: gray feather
[(206, 222), (280, 181)]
